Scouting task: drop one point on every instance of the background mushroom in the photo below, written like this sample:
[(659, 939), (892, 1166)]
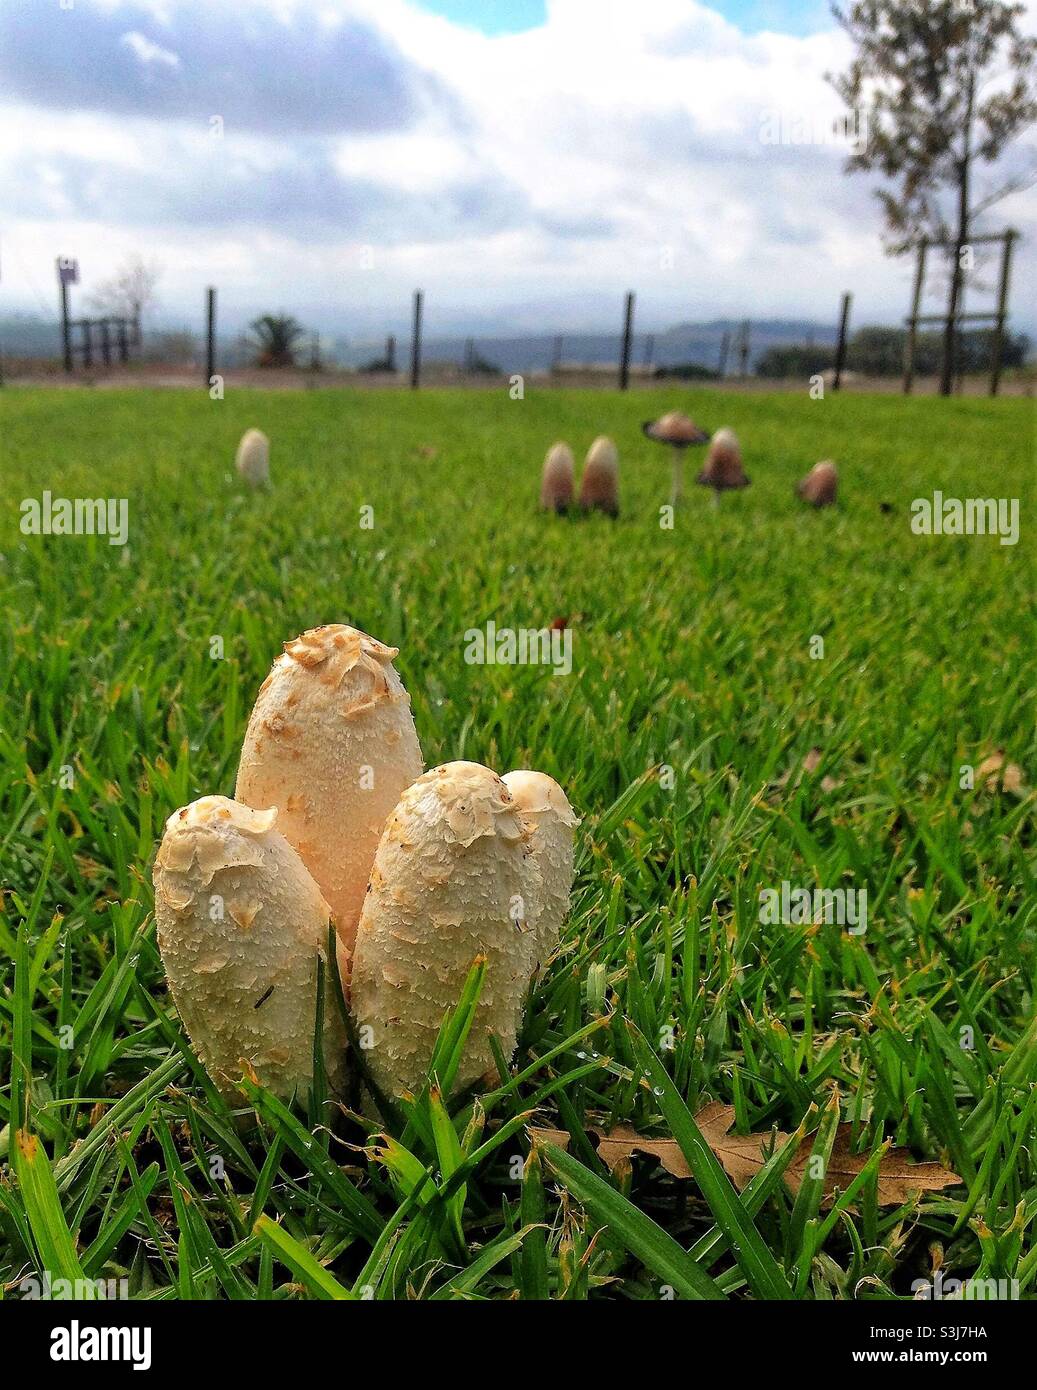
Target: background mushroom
[(723, 466), (253, 458), (678, 431), (599, 486), (241, 926), (819, 486), (556, 486)]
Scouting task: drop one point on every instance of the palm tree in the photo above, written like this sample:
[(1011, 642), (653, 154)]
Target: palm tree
[(275, 338)]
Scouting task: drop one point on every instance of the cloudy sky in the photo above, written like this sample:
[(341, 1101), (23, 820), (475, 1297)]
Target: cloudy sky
[(525, 162)]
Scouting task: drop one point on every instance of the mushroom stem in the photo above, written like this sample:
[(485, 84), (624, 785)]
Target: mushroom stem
[(677, 487), (716, 499)]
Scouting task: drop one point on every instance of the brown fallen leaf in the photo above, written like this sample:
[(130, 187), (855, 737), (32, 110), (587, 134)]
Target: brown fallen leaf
[(899, 1178), (810, 764), (997, 775), (743, 1155)]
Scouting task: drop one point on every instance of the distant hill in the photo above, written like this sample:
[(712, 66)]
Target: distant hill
[(25, 335), (687, 342)]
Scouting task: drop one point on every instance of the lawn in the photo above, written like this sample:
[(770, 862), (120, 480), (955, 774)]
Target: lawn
[(685, 737)]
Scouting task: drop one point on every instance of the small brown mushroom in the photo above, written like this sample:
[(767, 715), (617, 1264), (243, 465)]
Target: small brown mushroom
[(599, 486), (723, 467), (678, 431), (556, 486), (819, 486)]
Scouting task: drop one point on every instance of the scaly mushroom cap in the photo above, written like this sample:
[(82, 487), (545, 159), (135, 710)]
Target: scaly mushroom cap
[(676, 429), (556, 487), (723, 466), (454, 878), (331, 743), (599, 486), (253, 457), (819, 486), (241, 925), (546, 811)]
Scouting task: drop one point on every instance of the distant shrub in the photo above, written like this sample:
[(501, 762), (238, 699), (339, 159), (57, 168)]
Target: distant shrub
[(880, 352), (686, 371)]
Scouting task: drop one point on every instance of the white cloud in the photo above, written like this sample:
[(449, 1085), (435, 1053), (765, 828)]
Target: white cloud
[(535, 176), (149, 52)]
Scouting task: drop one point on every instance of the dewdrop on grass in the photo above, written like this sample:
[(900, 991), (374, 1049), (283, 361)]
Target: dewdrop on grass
[(454, 879), (241, 927), (331, 744), (253, 458)]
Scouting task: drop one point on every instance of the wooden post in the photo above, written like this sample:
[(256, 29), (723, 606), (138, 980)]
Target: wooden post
[(210, 335), (912, 323), (390, 353), (415, 342), (743, 351), (628, 332), (66, 329), (725, 348), (1002, 310), (840, 347)]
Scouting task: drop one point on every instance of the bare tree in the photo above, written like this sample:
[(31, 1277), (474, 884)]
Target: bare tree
[(131, 291), (941, 84)]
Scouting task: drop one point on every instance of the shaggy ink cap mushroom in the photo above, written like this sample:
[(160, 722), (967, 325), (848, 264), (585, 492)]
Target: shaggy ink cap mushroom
[(557, 480), (241, 928), (723, 467), (332, 744), (820, 486), (599, 486), (454, 879), (545, 809)]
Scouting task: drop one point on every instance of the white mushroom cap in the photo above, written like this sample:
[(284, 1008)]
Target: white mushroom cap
[(253, 457), (820, 485), (556, 487), (675, 428), (331, 743), (454, 879), (723, 466), (241, 926), (599, 486), (546, 810)]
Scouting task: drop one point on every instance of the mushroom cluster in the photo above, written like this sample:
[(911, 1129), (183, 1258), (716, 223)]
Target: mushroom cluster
[(599, 486), (334, 823)]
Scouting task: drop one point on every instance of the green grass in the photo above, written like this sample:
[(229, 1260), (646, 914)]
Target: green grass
[(692, 650)]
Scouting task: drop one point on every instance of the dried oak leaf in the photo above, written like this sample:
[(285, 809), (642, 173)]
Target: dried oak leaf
[(743, 1155)]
